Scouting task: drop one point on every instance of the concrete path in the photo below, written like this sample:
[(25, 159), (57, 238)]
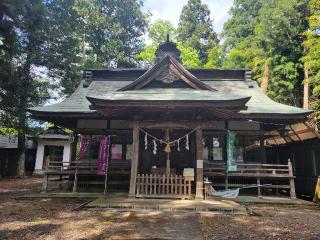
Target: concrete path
[(121, 202)]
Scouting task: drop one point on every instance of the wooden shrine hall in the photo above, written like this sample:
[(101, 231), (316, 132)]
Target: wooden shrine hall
[(169, 127)]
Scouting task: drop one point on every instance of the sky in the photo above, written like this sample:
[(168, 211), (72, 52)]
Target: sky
[(170, 10)]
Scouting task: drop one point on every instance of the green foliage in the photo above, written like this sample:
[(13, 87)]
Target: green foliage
[(8, 131), (189, 56), (286, 81), (159, 29), (92, 34), (195, 28), (215, 57), (266, 37), (46, 44), (158, 33), (312, 56), (147, 56), (241, 25), (22, 84)]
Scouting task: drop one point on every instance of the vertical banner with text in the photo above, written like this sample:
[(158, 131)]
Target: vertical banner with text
[(231, 161)]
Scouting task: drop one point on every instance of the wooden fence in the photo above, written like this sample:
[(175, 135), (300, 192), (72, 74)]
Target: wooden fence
[(163, 186)]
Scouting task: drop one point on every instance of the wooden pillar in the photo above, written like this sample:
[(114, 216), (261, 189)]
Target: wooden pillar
[(135, 159), (45, 183), (167, 137), (75, 182), (199, 167), (226, 176), (292, 185), (74, 148), (259, 188)]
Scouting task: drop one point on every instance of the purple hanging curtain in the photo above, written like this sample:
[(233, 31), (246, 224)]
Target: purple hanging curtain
[(103, 157), (84, 146)]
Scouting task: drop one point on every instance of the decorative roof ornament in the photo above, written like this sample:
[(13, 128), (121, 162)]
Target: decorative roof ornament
[(167, 75)]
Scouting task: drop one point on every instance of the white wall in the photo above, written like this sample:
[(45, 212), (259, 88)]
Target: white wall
[(66, 144)]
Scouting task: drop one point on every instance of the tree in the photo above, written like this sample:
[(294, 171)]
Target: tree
[(44, 44), (215, 57), (241, 25), (266, 36), (196, 28), (22, 86), (240, 45), (312, 57), (92, 33), (159, 30), (158, 33), (279, 36)]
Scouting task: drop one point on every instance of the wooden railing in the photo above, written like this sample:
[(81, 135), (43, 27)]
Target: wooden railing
[(65, 166), (271, 173), (163, 186), (249, 170)]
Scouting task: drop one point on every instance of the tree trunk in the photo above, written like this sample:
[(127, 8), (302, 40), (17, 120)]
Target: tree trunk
[(21, 156), (21, 137), (265, 78), (305, 86), (306, 89)]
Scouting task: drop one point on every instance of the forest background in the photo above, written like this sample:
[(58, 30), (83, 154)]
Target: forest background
[(45, 45)]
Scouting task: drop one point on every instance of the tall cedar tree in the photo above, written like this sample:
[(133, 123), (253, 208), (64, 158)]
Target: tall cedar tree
[(22, 34), (92, 33), (195, 28)]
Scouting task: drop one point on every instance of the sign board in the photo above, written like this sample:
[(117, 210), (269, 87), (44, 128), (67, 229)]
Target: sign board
[(8, 142), (188, 172), (199, 163), (231, 161)]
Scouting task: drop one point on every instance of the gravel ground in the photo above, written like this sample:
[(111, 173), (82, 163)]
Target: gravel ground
[(265, 222), (54, 219)]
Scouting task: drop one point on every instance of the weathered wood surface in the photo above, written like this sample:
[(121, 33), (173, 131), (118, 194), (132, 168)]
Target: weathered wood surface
[(199, 169), (163, 186), (135, 159)]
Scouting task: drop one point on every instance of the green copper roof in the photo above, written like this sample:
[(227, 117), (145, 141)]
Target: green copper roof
[(167, 94), (259, 103)]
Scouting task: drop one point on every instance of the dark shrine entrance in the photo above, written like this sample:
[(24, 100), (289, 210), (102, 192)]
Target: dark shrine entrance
[(154, 158), (166, 163)]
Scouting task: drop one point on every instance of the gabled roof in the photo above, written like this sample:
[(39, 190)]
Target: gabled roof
[(213, 88), (167, 70)]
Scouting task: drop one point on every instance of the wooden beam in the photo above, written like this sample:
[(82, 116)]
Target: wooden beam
[(199, 164), (178, 124), (295, 132), (135, 159), (312, 129)]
